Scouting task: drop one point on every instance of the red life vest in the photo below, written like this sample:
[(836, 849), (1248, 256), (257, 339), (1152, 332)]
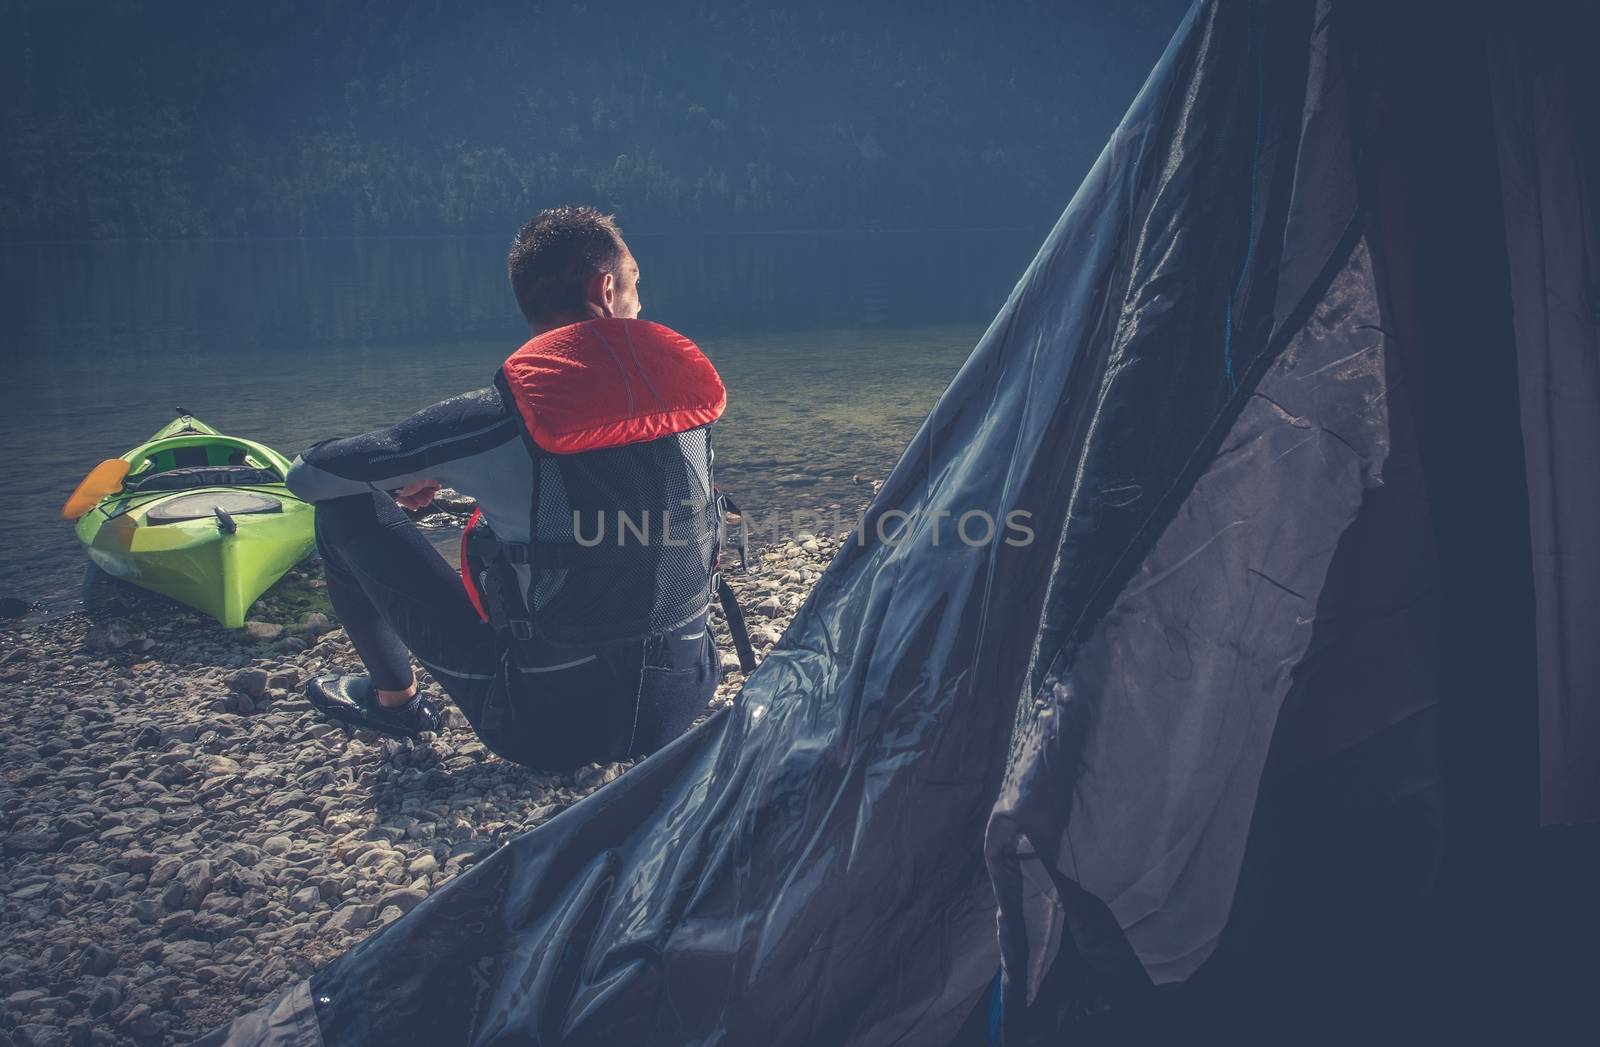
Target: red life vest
[(610, 382), (616, 412)]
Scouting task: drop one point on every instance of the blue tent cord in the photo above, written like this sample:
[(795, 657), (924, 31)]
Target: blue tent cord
[(996, 1009), (1255, 170)]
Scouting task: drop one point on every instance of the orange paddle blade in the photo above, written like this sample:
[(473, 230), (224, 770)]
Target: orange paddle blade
[(105, 478)]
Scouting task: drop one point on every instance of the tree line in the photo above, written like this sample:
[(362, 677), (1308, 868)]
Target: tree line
[(181, 118)]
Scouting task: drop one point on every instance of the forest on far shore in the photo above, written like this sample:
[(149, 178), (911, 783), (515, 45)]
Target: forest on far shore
[(183, 118)]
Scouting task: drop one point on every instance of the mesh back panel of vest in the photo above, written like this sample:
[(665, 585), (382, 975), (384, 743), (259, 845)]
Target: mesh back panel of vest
[(625, 539)]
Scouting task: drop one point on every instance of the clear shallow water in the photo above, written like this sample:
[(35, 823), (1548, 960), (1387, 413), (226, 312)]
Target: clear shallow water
[(833, 347)]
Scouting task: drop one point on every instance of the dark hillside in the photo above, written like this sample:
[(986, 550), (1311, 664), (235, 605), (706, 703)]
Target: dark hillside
[(296, 117)]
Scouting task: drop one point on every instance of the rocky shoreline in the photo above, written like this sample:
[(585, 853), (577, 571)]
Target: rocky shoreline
[(184, 837)]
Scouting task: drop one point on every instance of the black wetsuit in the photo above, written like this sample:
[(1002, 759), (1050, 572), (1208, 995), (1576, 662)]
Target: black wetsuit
[(398, 598)]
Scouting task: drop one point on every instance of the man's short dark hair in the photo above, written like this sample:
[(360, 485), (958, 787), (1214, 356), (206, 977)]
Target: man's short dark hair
[(555, 256)]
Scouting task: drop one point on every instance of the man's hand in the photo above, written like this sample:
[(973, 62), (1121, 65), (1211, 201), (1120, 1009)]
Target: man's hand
[(418, 495)]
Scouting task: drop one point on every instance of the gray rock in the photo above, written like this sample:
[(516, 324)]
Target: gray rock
[(262, 632), (380, 856), (111, 635), (37, 1035), (175, 895), (105, 998), (78, 823), (164, 870), (117, 835), (185, 954), (306, 899), (32, 842), (405, 899), (251, 683), (350, 918), (595, 775), (196, 878), (25, 1001), (140, 819), (143, 1023), (97, 960), (242, 853), (315, 623), (453, 501)]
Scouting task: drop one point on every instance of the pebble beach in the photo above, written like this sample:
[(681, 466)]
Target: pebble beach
[(183, 837)]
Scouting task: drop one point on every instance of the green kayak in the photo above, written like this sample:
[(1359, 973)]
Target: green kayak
[(202, 517)]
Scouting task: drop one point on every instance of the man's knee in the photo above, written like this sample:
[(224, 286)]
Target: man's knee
[(339, 520), (339, 524)]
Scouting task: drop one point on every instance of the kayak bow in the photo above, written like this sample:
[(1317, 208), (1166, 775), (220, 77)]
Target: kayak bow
[(202, 517)]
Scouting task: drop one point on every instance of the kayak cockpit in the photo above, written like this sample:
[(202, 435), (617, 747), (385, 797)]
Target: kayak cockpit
[(201, 460), (201, 506)]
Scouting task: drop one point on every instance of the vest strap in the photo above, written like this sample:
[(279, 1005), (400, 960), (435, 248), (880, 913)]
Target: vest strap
[(727, 505), (736, 626)]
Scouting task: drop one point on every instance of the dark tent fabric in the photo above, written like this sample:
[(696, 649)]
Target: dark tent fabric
[(1220, 655), (1551, 230)]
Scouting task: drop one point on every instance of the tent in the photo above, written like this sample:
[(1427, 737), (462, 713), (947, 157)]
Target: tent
[(1300, 402)]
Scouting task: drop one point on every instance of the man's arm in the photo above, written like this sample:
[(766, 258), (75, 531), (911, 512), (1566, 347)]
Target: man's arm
[(439, 443)]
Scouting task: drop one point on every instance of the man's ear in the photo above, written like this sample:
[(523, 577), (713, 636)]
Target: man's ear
[(602, 294)]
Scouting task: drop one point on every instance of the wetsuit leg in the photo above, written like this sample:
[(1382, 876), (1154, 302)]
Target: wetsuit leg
[(397, 597), (681, 673)]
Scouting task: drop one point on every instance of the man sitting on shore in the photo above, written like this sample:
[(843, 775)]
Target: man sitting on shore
[(575, 638)]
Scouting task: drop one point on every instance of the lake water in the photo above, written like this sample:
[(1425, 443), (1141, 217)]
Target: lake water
[(833, 348)]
